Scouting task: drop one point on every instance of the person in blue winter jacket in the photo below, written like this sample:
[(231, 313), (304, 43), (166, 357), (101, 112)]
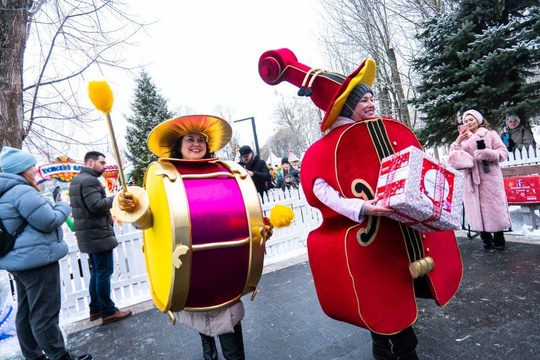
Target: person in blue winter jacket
[(33, 261)]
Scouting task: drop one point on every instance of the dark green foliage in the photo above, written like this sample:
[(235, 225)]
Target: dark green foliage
[(485, 56), (149, 109)]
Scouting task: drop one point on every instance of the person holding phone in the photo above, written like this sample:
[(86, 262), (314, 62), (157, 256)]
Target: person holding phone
[(477, 151), (256, 169), (34, 260)]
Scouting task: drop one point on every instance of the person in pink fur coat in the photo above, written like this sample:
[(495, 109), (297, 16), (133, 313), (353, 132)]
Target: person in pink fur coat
[(477, 151)]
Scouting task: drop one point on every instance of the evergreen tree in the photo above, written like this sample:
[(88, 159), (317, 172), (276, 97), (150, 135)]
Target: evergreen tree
[(484, 55), (149, 109)]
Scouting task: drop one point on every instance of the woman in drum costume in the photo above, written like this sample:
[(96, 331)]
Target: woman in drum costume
[(218, 230), (368, 270)]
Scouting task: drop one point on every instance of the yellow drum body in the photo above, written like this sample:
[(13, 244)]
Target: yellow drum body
[(204, 249)]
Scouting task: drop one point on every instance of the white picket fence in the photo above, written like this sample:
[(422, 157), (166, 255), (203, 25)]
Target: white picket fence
[(129, 283), (524, 156)]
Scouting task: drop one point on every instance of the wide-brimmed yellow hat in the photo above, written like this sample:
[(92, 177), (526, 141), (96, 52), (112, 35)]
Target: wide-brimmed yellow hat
[(217, 132)]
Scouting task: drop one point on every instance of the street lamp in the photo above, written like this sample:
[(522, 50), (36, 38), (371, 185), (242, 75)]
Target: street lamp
[(254, 132)]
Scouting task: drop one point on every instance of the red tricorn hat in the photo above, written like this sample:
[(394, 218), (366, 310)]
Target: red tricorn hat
[(327, 90)]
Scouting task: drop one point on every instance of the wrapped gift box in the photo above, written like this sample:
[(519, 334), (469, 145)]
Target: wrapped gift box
[(423, 192)]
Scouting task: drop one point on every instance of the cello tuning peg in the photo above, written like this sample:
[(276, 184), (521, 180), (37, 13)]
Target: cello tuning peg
[(421, 267)]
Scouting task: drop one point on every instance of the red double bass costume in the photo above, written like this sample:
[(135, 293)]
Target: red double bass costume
[(361, 270)]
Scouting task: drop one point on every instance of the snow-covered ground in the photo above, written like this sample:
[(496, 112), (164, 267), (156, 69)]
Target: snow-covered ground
[(520, 228), (9, 348)]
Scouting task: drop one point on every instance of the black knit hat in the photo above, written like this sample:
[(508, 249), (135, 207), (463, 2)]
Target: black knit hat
[(354, 97), (285, 160)]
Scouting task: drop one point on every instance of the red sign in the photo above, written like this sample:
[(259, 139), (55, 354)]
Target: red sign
[(522, 189)]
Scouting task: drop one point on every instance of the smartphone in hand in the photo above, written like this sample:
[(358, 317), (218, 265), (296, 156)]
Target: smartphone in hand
[(56, 194), (462, 128)]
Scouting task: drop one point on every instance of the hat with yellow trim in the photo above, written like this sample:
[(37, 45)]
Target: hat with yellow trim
[(355, 86), (329, 91), (217, 132)]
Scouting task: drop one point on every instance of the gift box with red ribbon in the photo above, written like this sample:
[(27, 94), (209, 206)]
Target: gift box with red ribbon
[(424, 193)]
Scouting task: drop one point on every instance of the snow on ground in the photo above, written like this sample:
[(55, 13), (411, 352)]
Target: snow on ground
[(9, 348), (519, 227)]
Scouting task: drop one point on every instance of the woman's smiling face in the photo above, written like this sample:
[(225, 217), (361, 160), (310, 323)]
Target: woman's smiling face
[(471, 123), (193, 146), (365, 109)]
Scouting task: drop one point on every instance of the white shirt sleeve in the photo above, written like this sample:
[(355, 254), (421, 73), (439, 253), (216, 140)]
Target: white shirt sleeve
[(352, 208)]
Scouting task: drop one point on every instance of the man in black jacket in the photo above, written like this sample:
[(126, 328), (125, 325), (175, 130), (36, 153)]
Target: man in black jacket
[(95, 235), (256, 168)]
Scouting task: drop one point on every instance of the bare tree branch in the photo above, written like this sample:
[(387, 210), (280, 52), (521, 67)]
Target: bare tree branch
[(68, 38)]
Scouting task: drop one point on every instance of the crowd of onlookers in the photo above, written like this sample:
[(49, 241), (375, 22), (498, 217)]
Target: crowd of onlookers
[(268, 176), (286, 175)]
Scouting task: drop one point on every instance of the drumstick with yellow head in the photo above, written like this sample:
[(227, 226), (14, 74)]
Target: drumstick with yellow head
[(101, 95)]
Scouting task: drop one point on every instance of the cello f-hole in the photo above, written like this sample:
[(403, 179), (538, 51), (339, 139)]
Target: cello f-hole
[(361, 189)]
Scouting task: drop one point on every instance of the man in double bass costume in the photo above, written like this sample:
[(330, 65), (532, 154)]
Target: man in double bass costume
[(367, 269)]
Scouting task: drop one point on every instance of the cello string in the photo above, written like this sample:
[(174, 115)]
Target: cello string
[(383, 147)]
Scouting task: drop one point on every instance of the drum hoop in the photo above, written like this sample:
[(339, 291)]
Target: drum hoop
[(256, 225), (179, 219), (215, 307)]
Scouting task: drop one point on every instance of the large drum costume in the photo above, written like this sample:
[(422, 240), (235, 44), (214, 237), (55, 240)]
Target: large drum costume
[(211, 265), (204, 230), (362, 271)]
